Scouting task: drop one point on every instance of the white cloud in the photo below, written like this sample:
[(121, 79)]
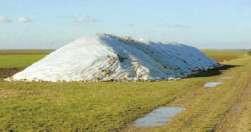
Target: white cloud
[(4, 19), (24, 19), (86, 19)]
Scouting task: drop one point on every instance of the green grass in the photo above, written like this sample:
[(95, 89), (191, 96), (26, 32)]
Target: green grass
[(20, 58), (111, 106), (224, 55), (24, 51), (83, 106), (19, 61)]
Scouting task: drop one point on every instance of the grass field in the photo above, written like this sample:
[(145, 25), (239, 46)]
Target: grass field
[(20, 58), (112, 106), (224, 55)]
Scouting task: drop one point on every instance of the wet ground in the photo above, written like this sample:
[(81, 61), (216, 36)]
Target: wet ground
[(158, 117), (212, 84)]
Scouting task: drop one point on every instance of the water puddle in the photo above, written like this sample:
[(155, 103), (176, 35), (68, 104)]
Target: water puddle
[(158, 117), (212, 84), (226, 78)]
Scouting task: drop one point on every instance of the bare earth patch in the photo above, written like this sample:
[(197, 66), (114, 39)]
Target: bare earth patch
[(7, 72)]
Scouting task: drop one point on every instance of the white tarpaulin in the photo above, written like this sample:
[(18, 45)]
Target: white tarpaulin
[(108, 57)]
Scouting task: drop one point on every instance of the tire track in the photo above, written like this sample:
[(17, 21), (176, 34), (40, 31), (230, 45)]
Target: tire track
[(238, 118)]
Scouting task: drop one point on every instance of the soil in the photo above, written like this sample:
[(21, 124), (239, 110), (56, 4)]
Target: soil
[(7, 72)]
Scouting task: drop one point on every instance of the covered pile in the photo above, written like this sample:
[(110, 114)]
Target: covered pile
[(108, 57)]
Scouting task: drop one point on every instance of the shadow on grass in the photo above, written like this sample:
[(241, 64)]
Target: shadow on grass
[(213, 72)]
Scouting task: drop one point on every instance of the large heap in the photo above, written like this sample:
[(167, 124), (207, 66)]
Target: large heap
[(108, 57)]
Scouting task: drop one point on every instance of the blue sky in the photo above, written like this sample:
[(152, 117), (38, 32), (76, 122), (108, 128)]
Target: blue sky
[(54, 23)]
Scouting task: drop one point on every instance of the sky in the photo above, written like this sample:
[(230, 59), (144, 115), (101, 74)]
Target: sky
[(36, 24)]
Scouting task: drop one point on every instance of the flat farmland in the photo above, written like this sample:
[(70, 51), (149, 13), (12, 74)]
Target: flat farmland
[(113, 106)]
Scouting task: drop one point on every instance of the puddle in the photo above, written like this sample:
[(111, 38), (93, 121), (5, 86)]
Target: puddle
[(158, 117), (212, 84), (226, 78)]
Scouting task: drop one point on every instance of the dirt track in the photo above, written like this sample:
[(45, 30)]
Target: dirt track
[(225, 108)]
